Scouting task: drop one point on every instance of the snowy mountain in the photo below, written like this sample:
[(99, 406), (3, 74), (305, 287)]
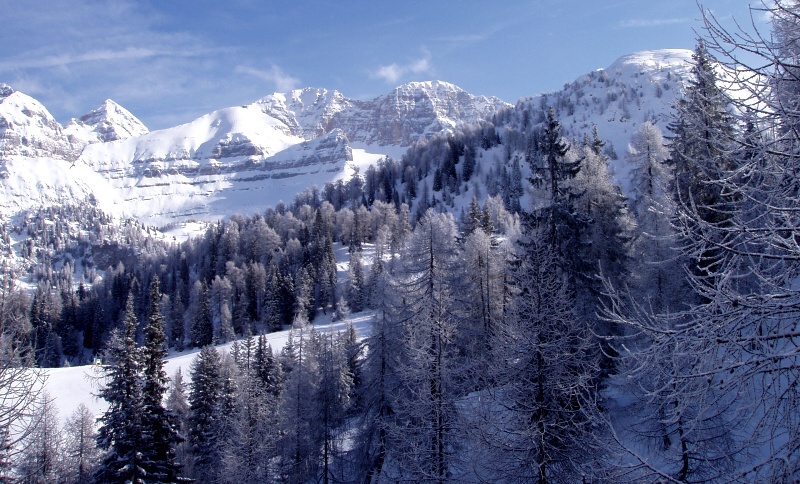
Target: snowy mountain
[(107, 122), (638, 87), (28, 130), (37, 159), (242, 159), (409, 113)]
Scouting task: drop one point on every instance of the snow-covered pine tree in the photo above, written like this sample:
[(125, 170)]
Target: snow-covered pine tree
[(120, 432), (178, 405), (81, 455), (249, 451), (159, 432), (201, 331), (356, 288), (700, 149), (204, 424), (539, 425), (377, 381), (300, 433), (657, 273), (423, 434), (332, 397), (551, 172), (603, 229), (483, 295), (267, 369)]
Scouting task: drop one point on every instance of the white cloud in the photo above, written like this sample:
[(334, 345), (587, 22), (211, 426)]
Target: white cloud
[(392, 73), (283, 82)]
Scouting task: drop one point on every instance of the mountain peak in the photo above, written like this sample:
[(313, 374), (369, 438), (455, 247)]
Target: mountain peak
[(653, 60), (432, 85), (107, 122)]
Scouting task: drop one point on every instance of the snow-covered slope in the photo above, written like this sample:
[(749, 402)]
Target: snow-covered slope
[(638, 87), (70, 387)]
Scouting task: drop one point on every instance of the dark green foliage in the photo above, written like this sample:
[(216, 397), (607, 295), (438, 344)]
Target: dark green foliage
[(204, 417), (202, 329), (121, 426), (701, 143), (159, 431)]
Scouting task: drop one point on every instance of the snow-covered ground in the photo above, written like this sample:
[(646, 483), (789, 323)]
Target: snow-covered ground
[(69, 387)]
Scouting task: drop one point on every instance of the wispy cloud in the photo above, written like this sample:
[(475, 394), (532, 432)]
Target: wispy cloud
[(393, 73), (283, 82), (64, 60), (72, 55), (654, 22)]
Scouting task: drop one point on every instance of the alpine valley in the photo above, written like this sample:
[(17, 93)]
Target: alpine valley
[(594, 284)]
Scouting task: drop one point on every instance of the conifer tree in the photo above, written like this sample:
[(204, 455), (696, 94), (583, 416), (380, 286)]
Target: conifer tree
[(249, 450), (702, 141), (159, 431), (379, 380), (267, 369), (658, 275), (120, 432), (204, 424), (178, 405), (551, 171), (300, 432), (202, 329), (424, 432), (356, 283), (332, 397)]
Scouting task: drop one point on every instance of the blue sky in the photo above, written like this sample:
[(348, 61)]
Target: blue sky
[(171, 61)]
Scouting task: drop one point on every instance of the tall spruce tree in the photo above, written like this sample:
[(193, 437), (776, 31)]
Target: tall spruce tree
[(202, 326), (701, 145), (551, 172), (204, 421), (120, 432), (159, 432)]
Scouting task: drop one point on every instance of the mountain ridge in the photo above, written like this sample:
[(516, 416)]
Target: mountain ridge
[(249, 157)]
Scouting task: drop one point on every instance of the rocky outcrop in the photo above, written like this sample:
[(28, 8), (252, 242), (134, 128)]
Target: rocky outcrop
[(28, 130), (409, 113)]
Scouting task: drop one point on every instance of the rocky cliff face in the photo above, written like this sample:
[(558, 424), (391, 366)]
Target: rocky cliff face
[(28, 130), (409, 113)]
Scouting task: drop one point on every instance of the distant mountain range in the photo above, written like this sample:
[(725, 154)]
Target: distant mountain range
[(242, 159)]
